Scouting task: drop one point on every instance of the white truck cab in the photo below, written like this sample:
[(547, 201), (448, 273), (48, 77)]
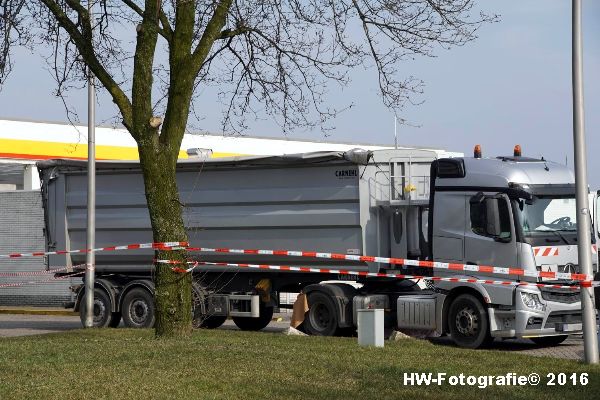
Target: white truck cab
[(508, 212)]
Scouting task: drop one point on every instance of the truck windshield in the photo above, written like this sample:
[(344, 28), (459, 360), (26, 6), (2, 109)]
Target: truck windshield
[(549, 214)]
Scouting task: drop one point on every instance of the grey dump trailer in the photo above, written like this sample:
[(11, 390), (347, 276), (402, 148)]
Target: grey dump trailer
[(408, 203)]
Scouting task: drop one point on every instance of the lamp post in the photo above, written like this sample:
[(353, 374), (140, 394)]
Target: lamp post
[(590, 338), (91, 199)]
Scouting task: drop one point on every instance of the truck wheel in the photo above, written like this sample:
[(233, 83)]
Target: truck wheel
[(102, 309), (138, 309), (321, 319), (548, 341), (468, 322), (212, 322), (255, 324)]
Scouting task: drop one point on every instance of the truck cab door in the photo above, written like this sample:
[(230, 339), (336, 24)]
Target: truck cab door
[(490, 237), (448, 227)]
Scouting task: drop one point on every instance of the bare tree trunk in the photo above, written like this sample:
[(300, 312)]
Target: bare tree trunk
[(173, 295)]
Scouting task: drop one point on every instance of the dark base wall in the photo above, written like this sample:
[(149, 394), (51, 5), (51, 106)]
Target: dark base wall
[(33, 301)]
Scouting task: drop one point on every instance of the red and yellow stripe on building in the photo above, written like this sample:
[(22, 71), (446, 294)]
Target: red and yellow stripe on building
[(25, 140), (42, 150)]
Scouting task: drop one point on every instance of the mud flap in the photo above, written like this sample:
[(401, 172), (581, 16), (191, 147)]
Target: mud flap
[(299, 310)]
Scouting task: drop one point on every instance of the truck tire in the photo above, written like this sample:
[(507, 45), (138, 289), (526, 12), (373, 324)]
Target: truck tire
[(102, 307), (255, 324), (468, 322), (548, 341), (138, 309), (321, 319), (212, 322)]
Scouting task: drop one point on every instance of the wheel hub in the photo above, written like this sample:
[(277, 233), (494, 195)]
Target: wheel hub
[(99, 311), (321, 317), (138, 311), (467, 322)]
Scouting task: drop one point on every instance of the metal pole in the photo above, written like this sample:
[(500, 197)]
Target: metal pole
[(395, 134), (590, 338), (91, 200)]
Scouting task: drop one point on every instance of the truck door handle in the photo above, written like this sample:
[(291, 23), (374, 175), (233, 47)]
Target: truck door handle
[(397, 221)]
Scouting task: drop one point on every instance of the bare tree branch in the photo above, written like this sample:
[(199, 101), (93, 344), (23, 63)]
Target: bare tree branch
[(165, 31), (293, 51), (211, 33), (83, 41), (141, 93), (11, 33)]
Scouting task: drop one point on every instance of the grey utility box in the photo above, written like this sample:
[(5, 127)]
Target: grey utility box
[(370, 327)]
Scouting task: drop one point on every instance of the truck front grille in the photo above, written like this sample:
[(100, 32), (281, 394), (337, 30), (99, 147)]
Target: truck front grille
[(561, 296)]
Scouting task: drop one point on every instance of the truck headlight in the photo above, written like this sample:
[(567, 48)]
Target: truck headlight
[(532, 300)]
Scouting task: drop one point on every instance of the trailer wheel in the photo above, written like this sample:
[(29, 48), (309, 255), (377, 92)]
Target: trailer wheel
[(255, 324), (138, 309), (102, 307), (468, 322), (321, 319), (548, 341)]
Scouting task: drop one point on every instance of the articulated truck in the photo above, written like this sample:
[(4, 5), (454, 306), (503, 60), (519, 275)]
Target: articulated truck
[(413, 204)]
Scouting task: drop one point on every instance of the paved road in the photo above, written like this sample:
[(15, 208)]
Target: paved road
[(572, 348), (12, 325), (21, 325)]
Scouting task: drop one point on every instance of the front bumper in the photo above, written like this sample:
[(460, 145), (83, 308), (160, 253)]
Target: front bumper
[(521, 322)]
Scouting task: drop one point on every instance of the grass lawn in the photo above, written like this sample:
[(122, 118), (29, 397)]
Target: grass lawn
[(223, 364)]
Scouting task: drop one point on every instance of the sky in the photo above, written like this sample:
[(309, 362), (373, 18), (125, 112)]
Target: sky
[(510, 86)]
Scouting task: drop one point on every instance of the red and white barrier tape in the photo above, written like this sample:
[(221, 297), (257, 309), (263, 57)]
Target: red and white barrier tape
[(334, 256), (403, 261), (155, 246), (37, 273), (16, 284), (364, 273)]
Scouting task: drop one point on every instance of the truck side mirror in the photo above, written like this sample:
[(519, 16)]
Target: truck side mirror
[(492, 227), (477, 199)]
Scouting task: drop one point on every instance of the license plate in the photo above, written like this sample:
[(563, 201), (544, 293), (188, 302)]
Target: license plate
[(569, 327)]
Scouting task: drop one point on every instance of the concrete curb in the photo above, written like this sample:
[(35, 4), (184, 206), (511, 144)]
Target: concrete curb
[(65, 311), (37, 311)]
